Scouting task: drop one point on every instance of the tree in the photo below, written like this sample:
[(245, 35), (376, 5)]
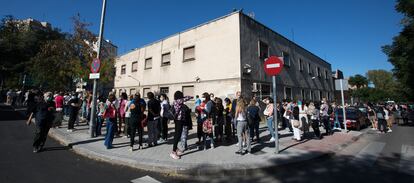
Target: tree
[(358, 81), (401, 52)]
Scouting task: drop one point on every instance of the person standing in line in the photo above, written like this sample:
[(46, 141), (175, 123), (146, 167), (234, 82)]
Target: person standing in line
[(296, 127), (228, 119), (165, 115), (179, 109), (44, 114), (315, 111), (74, 104), (136, 115), (380, 116), (187, 125), (303, 108), (110, 116), (197, 101), (100, 117), (218, 119), (66, 107), (337, 125), (325, 117), (390, 116), (59, 110), (371, 117), (254, 118), (241, 117), (154, 109), (206, 114), (128, 115), (233, 112), (268, 113), (121, 113)]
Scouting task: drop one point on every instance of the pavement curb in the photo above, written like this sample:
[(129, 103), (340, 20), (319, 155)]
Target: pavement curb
[(183, 169)]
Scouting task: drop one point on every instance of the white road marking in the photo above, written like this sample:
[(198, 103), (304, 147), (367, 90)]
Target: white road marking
[(145, 179), (407, 159), (270, 66), (369, 154)]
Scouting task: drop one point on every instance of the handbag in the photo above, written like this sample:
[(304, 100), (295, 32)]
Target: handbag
[(295, 123), (208, 126)]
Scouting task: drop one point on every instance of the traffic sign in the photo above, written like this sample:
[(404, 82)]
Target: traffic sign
[(273, 65), (94, 76), (95, 65)]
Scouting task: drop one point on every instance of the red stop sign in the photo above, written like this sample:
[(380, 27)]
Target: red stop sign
[(273, 65)]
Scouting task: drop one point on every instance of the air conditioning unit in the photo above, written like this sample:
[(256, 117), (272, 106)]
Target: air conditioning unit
[(255, 87)]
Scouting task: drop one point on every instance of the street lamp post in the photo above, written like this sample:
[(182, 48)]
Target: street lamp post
[(92, 123)]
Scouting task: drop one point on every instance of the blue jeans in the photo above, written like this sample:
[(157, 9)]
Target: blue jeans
[(336, 123), (98, 127), (111, 128), (270, 126)]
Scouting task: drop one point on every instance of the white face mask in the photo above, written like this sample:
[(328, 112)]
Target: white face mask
[(202, 99)]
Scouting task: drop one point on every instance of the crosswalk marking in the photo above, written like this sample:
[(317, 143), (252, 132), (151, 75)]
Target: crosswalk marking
[(407, 159), (369, 154), (145, 179)]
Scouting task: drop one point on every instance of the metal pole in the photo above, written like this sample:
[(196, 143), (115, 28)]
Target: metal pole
[(343, 105), (92, 123), (275, 115)]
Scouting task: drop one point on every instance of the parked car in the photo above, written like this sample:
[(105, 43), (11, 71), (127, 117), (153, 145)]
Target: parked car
[(355, 119)]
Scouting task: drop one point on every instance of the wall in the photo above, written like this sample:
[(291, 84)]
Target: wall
[(251, 33)]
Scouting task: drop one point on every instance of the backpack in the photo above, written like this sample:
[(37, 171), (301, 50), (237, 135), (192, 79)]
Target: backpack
[(252, 116), (187, 117), (380, 114)]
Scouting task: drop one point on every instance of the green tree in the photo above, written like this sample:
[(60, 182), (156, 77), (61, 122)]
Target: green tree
[(358, 81), (401, 51)]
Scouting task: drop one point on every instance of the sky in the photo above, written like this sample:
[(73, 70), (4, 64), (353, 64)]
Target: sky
[(347, 34)]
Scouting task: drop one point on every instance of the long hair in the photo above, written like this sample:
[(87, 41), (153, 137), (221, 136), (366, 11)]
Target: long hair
[(241, 107)]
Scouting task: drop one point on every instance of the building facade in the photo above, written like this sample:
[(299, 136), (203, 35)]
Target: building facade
[(223, 56)]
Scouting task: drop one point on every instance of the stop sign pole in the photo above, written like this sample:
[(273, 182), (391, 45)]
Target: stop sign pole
[(272, 67)]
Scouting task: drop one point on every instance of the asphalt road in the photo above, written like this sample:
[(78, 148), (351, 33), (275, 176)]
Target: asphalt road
[(57, 163), (374, 158)]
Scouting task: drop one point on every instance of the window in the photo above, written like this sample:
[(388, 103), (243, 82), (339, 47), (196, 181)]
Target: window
[(311, 95), (164, 90), (188, 90), (148, 63), (288, 93), (300, 65), (123, 69), (189, 54), (145, 91), (286, 59), (166, 59), (263, 50), (303, 94), (120, 92), (309, 69), (320, 95), (132, 91), (318, 71), (134, 66), (326, 75)]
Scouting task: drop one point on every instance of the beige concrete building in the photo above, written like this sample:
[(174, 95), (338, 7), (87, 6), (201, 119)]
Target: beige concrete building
[(223, 56)]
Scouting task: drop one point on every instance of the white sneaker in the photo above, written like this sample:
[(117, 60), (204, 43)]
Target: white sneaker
[(272, 139), (389, 130), (237, 145)]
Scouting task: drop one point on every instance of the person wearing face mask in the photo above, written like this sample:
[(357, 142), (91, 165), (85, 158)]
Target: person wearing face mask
[(44, 115)]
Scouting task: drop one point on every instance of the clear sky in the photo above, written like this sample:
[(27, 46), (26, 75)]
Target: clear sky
[(348, 34)]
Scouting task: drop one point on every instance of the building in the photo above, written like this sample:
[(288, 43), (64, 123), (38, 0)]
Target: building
[(223, 56), (33, 24)]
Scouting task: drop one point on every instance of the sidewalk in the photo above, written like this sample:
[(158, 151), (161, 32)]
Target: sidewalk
[(220, 160)]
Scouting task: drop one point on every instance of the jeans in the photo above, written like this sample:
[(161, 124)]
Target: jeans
[(126, 125), (153, 132), (184, 135), (382, 125), (327, 124), (336, 123), (98, 126), (134, 126), (315, 127), (58, 118), (164, 128), (241, 129), (72, 118), (111, 128), (177, 133), (40, 136), (254, 130), (270, 126)]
